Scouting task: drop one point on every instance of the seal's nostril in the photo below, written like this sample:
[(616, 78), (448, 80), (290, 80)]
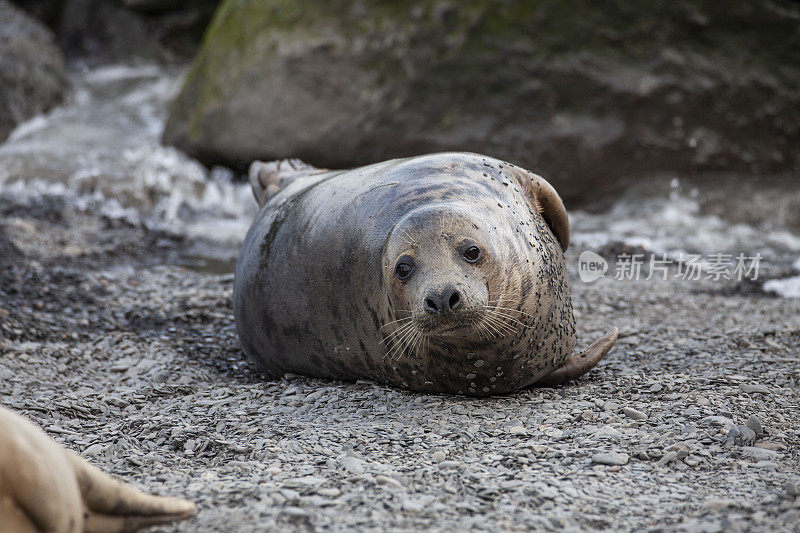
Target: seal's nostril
[(430, 306), (455, 300)]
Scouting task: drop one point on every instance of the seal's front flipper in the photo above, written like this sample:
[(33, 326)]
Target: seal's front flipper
[(267, 179), (580, 363)]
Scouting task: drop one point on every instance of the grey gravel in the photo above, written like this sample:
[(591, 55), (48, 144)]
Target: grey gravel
[(131, 360)]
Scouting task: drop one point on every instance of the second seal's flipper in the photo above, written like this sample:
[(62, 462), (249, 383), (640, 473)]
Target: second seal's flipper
[(268, 178), (580, 363), (112, 505), (44, 487)]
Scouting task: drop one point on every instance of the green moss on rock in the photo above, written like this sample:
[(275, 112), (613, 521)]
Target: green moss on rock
[(585, 92)]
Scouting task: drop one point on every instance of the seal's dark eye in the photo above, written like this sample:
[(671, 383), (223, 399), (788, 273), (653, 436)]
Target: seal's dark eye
[(472, 254), (403, 270)]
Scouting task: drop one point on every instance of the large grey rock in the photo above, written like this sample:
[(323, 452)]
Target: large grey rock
[(587, 94), (32, 78)]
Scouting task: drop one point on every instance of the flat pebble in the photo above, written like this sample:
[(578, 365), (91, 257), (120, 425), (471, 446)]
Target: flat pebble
[(750, 388), (610, 458), (758, 453), (634, 414)]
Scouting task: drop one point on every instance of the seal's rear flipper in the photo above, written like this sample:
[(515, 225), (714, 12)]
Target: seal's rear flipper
[(267, 179), (580, 363)]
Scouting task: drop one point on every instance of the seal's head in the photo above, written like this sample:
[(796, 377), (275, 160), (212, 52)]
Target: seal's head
[(439, 263)]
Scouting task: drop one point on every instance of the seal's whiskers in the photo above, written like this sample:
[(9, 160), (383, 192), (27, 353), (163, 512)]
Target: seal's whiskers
[(489, 323), (415, 343), (399, 332), (410, 239), (502, 326), (401, 342), (495, 313), (405, 319), (496, 305), (481, 329)]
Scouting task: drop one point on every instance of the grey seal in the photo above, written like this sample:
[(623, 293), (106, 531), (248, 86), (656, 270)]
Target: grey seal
[(438, 273)]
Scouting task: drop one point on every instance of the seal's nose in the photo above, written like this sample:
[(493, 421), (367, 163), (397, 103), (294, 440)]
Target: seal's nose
[(437, 303)]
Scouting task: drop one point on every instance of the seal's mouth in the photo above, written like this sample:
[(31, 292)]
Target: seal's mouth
[(455, 326), (485, 323)]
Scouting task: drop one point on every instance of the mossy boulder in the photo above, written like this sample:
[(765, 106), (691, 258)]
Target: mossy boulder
[(586, 93)]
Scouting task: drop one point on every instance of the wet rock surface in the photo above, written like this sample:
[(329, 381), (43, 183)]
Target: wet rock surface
[(133, 362), (591, 98), (32, 76)]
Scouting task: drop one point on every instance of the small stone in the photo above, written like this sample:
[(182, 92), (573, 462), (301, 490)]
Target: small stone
[(681, 449), (754, 423), (742, 435), (667, 458), (329, 492), (446, 465), (607, 432), (413, 506), (314, 396), (72, 250), (791, 517), (511, 485), (758, 453), (610, 406), (717, 421), (545, 491), (439, 456), (295, 512), (718, 505), (515, 427), (388, 481), (691, 461), (754, 388), (308, 481), (767, 465), (353, 465), (633, 413), (571, 492), (656, 387), (610, 458), (692, 411), (792, 488)]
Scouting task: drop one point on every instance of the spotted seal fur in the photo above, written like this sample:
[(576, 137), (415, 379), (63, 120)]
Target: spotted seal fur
[(439, 273)]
